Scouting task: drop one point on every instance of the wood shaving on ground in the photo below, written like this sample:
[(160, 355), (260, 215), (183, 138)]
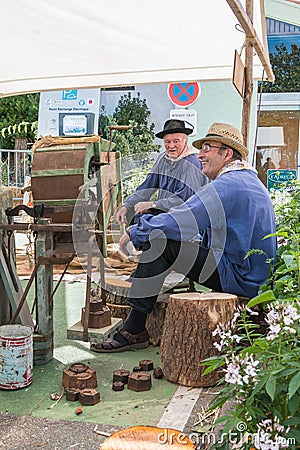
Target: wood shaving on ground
[(115, 262)]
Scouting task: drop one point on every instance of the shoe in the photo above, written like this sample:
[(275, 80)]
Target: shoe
[(135, 342)]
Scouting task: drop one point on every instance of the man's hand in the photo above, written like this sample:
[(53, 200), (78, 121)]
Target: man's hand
[(125, 238), (121, 215), (141, 207)]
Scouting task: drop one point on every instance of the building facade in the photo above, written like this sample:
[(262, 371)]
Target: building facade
[(278, 145)]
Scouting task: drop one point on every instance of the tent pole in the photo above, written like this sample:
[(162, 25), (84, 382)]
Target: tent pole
[(248, 91), (247, 26)]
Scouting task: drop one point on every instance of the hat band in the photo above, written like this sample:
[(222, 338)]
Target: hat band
[(218, 135)]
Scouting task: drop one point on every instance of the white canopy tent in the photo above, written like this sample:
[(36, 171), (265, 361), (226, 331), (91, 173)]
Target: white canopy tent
[(64, 44)]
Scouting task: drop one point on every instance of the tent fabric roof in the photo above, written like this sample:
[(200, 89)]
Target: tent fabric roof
[(55, 44)]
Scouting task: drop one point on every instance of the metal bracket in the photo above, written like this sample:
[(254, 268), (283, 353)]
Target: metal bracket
[(39, 210)]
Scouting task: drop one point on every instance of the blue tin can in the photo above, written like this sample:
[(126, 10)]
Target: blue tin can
[(16, 356)]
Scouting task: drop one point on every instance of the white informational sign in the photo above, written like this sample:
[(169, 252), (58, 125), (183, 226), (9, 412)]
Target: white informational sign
[(188, 115), (71, 112)]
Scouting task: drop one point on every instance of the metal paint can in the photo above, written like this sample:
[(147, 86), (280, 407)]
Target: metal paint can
[(16, 356)]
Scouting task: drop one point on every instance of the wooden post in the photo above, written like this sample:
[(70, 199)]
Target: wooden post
[(187, 335), (43, 340), (246, 112)]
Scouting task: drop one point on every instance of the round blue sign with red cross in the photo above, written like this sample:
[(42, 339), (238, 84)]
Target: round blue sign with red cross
[(183, 94)]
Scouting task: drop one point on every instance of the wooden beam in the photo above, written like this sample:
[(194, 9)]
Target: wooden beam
[(55, 227), (248, 91), (247, 26)]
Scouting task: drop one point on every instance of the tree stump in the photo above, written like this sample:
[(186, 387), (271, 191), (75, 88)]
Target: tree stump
[(143, 436), (116, 290), (187, 335), (116, 293), (155, 320)]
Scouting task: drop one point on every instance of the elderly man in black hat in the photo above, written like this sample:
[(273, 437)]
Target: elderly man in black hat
[(176, 175), (236, 213)]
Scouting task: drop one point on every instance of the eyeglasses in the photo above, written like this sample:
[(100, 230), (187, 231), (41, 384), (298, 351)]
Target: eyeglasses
[(207, 147)]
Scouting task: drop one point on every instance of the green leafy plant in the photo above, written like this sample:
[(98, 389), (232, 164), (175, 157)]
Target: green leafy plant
[(18, 118), (261, 361), (133, 178), (286, 67)]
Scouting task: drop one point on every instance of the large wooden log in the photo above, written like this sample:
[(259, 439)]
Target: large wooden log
[(155, 320), (145, 437), (187, 335)]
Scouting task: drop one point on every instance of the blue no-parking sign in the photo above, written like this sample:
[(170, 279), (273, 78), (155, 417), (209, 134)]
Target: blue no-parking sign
[(184, 94)]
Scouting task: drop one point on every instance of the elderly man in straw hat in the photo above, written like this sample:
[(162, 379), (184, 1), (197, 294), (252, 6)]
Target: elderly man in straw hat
[(236, 213), (176, 175)]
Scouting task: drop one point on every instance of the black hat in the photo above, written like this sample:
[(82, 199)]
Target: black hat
[(174, 126)]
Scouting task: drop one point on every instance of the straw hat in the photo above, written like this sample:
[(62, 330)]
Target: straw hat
[(225, 134), (174, 126)]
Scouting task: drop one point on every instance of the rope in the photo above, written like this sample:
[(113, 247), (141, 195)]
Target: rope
[(48, 141)]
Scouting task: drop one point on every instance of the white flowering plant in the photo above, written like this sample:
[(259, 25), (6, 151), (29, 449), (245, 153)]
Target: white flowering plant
[(260, 354)]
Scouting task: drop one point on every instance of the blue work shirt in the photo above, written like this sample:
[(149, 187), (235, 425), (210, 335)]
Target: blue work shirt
[(236, 213), (174, 180)]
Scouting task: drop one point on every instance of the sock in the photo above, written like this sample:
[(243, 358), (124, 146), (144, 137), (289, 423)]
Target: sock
[(134, 324)]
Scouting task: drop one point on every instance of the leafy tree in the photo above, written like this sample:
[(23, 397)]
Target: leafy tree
[(286, 68), (17, 114), (131, 111), (133, 108)]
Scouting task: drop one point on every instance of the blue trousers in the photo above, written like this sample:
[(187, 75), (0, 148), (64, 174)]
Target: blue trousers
[(159, 258)]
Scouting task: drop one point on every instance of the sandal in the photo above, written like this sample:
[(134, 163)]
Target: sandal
[(135, 342)]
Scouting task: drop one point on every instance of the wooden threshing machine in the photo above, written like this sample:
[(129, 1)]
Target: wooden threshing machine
[(76, 187)]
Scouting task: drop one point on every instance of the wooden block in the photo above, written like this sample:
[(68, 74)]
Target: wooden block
[(187, 335), (94, 334)]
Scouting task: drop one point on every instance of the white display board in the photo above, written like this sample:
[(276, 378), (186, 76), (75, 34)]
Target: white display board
[(70, 112)]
